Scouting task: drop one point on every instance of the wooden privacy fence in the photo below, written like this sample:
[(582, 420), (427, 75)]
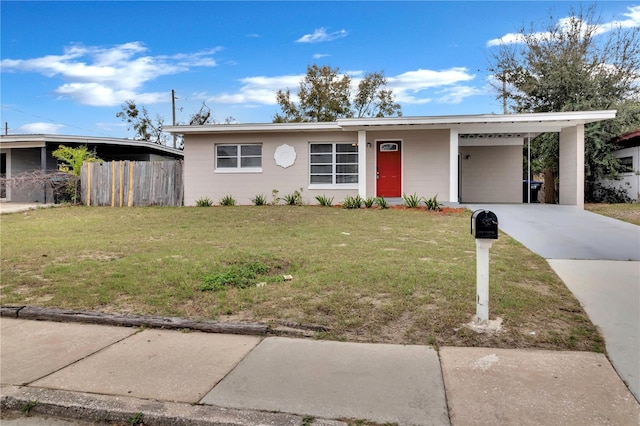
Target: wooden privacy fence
[(132, 183)]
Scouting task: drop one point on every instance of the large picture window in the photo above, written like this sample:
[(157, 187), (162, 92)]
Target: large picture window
[(333, 163), (240, 157)]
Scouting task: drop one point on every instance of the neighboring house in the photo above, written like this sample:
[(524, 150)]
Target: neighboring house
[(28, 153), (468, 159), (629, 155)]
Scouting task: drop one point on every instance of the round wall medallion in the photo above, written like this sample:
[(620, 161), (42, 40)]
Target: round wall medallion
[(285, 156)]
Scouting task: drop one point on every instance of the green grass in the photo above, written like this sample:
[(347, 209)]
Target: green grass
[(397, 276), (629, 212)]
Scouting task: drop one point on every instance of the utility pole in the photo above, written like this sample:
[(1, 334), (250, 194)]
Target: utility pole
[(6, 128), (173, 109)]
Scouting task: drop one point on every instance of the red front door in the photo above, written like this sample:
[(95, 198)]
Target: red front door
[(389, 169)]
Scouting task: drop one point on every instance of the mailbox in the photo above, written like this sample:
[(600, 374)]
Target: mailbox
[(484, 225)]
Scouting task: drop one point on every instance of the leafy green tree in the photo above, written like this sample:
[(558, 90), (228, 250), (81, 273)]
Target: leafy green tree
[(325, 95), (144, 127), (573, 65), (74, 158)]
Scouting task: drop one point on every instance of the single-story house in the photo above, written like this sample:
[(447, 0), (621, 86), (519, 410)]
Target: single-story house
[(461, 159), (629, 155), (27, 153)]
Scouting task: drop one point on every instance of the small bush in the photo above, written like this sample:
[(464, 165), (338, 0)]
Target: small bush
[(369, 202), (411, 201), (275, 199), (294, 199), (609, 195), (204, 202), (259, 200), (324, 201), (433, 203), (352, 202), (227, 200), (382, 203)]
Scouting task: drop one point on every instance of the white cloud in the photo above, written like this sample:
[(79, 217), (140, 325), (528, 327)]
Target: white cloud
[(320, 35), (632, 20), (108, 76), (412, 87), (40, 128), (257, 90), (320, 55)]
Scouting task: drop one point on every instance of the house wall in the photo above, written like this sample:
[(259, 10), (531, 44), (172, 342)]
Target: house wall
[(202, 180), (25, 160), (425, 161), (630, 181), (491, 174)]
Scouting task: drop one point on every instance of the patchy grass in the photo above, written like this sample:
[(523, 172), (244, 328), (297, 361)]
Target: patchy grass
[(629, 212), (396, 276)]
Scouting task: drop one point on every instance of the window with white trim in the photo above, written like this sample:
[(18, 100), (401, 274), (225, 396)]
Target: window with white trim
[(239, 157), (627, 164), (333, 163)]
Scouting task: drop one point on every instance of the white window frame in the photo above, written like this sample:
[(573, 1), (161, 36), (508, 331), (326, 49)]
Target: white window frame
[(334, 185), (239, 157)]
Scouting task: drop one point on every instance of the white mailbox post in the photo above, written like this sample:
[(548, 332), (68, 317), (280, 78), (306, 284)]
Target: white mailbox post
[(484, 227)]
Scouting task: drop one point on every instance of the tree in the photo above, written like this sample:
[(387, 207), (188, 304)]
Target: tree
[(202, 117), (74, 158), (573, 65), (325, 95), (145, 129)]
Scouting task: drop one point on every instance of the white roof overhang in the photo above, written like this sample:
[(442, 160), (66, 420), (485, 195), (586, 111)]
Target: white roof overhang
[(36, 141), (463, 124)]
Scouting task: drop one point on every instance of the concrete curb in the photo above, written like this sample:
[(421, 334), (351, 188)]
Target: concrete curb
[(103, 408)]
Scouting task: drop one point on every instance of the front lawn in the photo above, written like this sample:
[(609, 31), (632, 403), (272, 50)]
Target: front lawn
[(397, 276), (629, 212)]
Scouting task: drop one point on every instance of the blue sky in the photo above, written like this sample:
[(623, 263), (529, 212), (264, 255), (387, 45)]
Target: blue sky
[(67, 67)]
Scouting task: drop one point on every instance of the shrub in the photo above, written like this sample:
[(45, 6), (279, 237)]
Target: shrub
[(294, 199), (227, 200), (411, 201), (609, 195), (433, 203), (382, 203), (324, 201), (259, 200), (204, 202), (274, 197), (369, 201), (352, 202)]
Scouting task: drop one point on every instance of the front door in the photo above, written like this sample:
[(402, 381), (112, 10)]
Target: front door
[(389, 169)]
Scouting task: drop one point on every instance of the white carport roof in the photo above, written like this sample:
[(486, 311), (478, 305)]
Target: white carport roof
[(484, 123)]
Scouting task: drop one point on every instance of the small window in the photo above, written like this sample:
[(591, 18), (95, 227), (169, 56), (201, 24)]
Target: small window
[(388, 147), (333, 163), (627, 164), (241, 157)]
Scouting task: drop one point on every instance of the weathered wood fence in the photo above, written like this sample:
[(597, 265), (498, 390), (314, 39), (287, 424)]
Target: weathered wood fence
[(132, 183)]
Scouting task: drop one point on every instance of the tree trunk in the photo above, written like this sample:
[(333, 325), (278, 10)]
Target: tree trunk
[(549, 186)]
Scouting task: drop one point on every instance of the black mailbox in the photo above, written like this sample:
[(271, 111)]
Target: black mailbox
[(484, 225)]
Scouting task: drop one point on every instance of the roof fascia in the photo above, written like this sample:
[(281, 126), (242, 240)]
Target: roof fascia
[(13, 140), (254, 128), (569, 118)]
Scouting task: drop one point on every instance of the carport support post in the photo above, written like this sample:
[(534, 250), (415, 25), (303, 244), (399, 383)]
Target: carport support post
[(482, 280)]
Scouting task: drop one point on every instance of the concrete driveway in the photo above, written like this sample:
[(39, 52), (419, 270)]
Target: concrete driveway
[(598, 258)]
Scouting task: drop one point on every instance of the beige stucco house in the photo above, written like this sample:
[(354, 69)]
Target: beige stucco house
[(461, 159)]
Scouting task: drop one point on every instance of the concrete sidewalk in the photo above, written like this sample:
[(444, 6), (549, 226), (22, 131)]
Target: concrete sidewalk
[(96, 372)]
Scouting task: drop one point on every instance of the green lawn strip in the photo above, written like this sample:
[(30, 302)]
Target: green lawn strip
[(629, 212), (399, 276)]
